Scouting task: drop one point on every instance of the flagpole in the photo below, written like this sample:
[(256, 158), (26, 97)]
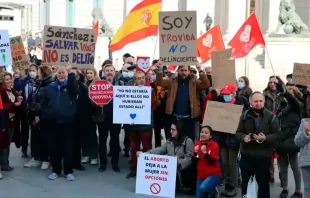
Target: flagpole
[(155, 47), (270, 60)]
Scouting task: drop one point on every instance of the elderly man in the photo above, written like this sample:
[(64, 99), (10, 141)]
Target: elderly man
[(257, 132)]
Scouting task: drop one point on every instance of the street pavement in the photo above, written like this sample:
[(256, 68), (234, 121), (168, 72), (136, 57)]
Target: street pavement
[(33, 182)]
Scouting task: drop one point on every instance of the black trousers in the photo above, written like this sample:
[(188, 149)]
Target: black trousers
[(126, 137), (80, 139), (61, 144), (24, 123), (160, 121), (39, 139), (260, 168), (104, 129), (188, 123)]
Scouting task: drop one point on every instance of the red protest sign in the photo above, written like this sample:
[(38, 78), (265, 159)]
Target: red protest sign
[(101, 92)]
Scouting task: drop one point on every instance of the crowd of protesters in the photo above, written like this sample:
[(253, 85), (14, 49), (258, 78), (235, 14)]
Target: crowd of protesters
[(49, 105)]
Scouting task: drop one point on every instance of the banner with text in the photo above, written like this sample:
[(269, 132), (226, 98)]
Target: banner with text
[(301, 74), (156, 175), (177, 37), (5, 50), (222, 117), (132, 104), (62, 45), (223, 69), (19, 57)]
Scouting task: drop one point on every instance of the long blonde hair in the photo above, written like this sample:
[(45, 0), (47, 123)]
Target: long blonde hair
[(95, 73)]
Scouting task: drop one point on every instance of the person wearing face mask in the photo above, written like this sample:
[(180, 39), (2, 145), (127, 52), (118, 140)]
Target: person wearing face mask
[(243, 85), (273, 99), (60, 107), (29, 87), (229, 145), (258, 131), (125, 78)]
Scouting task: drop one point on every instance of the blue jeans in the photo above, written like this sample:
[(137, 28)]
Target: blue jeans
[(206, 187)]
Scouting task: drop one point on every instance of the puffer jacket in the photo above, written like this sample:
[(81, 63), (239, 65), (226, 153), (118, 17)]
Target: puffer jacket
[(60, 100), (303, 141), (290, 115)]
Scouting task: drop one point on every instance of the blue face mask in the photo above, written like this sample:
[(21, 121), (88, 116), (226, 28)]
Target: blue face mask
[(153, 78), (240, 85), (227, 98)]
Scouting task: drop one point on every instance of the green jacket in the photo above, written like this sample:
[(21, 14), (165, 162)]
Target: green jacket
[(270, 129)]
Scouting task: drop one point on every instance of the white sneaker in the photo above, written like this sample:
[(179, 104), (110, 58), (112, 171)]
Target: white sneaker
[(53, 176), (70, 177), (85, 160), (45, 165), (32, 163), (1, 175), (94, 162)]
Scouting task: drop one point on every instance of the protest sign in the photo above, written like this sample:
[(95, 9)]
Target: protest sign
[(222, 117), (5, 50), (301, 74), (132, 104), (62, 45), (19, 56), (143, 63), (156, 175), (101, 92), (223, 69), (177, 37)]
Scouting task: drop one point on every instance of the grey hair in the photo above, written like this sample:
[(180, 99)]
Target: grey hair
[(256, 92)]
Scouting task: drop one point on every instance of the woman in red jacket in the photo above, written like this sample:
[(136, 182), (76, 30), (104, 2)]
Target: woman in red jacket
[(11, 104), (209, 174)]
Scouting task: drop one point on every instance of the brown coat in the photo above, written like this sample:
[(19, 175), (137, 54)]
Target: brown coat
[(194, 92)]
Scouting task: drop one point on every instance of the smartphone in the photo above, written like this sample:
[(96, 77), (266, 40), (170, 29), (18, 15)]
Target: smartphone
[(279, 87)]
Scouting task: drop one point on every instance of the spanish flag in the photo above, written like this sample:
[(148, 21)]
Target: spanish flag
[(141, 22)]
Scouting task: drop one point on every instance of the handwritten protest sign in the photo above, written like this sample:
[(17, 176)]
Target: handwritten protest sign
[(5, 50), (301, 74), (19, 56), (177, 37), (62, 45), (222, 117), (223, 69), (132, 104), (156, 175)]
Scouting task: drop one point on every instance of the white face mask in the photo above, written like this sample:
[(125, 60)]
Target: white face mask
[(32, 74), (125, 74), (130, 74)]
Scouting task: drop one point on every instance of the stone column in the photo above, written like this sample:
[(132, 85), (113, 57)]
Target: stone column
[(270, 15), (236, 14), (182, 5)]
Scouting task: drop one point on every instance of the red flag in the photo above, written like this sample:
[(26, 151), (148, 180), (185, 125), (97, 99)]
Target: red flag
[(247, 37), (96, 28), (208, 42)]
